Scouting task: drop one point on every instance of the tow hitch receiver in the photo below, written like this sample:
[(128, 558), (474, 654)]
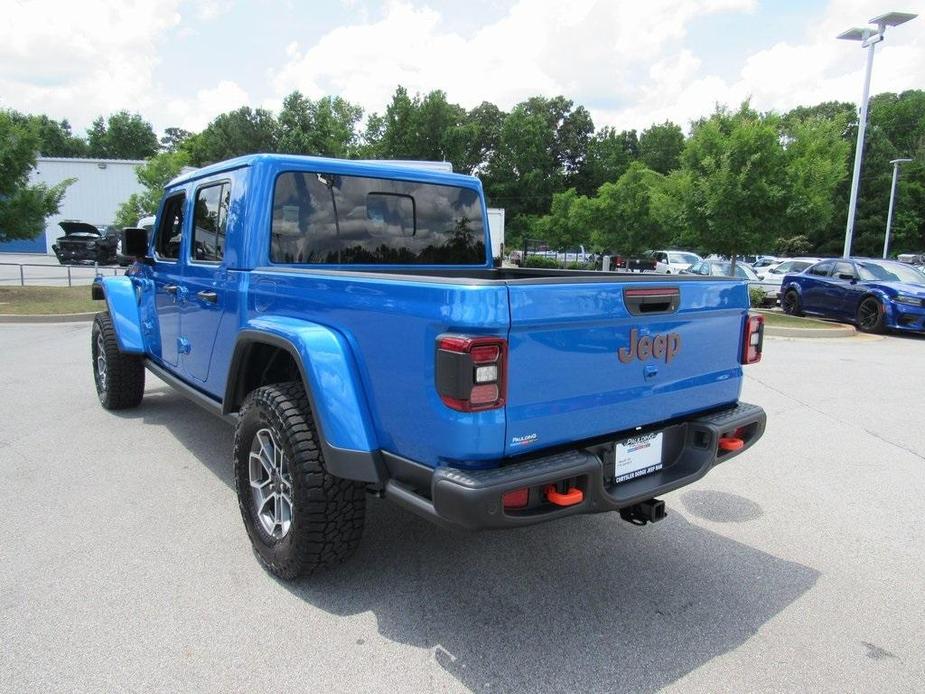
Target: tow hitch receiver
[(650, 511)]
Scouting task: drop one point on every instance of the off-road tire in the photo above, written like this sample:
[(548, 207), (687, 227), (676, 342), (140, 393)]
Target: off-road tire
[(122, 384), (328, 512), (790, 303), (870, 316)]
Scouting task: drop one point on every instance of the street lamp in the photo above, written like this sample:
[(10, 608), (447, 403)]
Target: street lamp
[(889, 214), (869, 37)]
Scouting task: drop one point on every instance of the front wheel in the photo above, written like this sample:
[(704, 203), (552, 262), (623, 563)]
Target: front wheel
[(119, 377), (790, 303), (870, 316), (298, 516)]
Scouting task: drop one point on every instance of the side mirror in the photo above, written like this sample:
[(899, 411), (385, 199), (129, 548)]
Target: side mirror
[(135, 242), (846, 276)]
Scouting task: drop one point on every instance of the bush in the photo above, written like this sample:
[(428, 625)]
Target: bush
[(756, 297), (540, 261)]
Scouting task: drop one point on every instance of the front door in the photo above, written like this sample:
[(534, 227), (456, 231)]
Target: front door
[(167, 276), (205, 277)]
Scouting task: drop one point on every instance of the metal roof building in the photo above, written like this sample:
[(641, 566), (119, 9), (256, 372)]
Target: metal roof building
[(101, 186)]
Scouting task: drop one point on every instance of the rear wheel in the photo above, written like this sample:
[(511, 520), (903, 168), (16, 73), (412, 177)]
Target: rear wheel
[(298, 516), (870, 316), (790, 303), (119, 377)]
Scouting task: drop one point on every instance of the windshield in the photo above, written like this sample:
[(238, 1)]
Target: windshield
[(889, 272), (683, 258)]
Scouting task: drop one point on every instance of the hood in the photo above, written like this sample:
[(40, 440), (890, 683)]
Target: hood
[(82, 228), (917, 290)]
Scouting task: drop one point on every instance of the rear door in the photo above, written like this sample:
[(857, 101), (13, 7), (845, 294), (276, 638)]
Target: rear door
[(814, 285), (840, 290), (595, 358), (205, 276), (167, 277)]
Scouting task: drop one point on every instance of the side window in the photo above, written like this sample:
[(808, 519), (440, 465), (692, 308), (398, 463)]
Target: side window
[(846, 269), (821, 269), (170, 229), (209, 222)]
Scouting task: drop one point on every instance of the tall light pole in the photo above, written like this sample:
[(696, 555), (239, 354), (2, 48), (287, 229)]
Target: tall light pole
[(869, 37), (889, 214)]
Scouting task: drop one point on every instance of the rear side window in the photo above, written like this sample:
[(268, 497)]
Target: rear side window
[(333, 219), (170, 229), (821, 269), (210, 219)]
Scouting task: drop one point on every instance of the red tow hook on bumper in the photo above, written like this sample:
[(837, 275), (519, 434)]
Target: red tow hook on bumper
[(728, 443), (570, 498)]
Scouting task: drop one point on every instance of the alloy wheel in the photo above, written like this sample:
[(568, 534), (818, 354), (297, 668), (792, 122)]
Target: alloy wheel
[(271, 484)]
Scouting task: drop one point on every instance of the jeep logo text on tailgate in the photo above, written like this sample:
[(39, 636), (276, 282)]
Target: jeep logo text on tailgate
[(658, 347)]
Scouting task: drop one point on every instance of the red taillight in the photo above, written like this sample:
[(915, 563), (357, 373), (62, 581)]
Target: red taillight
[(470, 372), (515, 499), (754, 339)]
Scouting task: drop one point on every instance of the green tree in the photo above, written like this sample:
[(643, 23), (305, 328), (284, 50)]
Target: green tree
[(734, 182), (609, 155), (174, 138), (816, 157), (326, 127), (123, 135), (233, 134), (55, 138), (23, 207), (542, 145), (623, 217), (660, 146), (153, 175)]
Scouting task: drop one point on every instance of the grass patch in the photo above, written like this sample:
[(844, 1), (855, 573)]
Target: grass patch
[(44, 301), (782, 320)]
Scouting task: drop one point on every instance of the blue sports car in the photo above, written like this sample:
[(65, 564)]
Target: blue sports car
[(877, 295)]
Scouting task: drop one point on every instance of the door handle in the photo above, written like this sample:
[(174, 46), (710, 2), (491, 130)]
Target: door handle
[(171, 289), (211, 297)]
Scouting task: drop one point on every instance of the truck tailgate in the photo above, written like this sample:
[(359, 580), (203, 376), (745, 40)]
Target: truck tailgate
[(568, 379)]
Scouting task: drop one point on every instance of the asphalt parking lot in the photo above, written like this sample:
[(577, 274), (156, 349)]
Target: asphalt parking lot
[(124, 565)]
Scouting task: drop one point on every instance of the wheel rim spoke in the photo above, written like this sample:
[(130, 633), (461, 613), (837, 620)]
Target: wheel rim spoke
[(271, 484), (100, 361)]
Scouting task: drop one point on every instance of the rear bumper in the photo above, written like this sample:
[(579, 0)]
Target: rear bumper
[(471, 499)]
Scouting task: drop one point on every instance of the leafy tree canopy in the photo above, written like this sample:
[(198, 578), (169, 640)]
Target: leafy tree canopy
[(23, 206), (123, 135)]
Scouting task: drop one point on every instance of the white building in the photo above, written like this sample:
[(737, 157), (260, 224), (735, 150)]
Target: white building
[(101, 186)]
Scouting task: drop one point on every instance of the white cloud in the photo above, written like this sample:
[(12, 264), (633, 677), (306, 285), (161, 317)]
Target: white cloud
[(78, 60), (195, 114), (627, 61), (805, 70), (585, 49)]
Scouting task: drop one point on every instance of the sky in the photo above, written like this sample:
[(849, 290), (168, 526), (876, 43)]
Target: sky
[(180, 63)]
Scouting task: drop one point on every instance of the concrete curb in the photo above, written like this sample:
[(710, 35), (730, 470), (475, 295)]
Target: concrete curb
[(50, 318)]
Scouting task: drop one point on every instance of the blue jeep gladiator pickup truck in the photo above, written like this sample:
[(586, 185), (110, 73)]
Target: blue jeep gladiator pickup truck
[(347, 319)]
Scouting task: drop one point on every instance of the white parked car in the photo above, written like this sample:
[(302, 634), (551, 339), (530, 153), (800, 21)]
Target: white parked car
[(772, 277), (673, 262)]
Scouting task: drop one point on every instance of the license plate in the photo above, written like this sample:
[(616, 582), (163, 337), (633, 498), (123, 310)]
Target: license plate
[(638, 456)]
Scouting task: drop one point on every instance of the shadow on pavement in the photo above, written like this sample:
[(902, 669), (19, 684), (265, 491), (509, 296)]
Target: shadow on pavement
[(588, 603)]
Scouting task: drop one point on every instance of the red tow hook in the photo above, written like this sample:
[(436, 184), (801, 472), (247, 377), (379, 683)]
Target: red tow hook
[(729, 443), (570, 498)]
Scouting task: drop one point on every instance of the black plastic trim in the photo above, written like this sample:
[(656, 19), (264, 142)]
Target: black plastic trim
[(197, 396), (471, 499)]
